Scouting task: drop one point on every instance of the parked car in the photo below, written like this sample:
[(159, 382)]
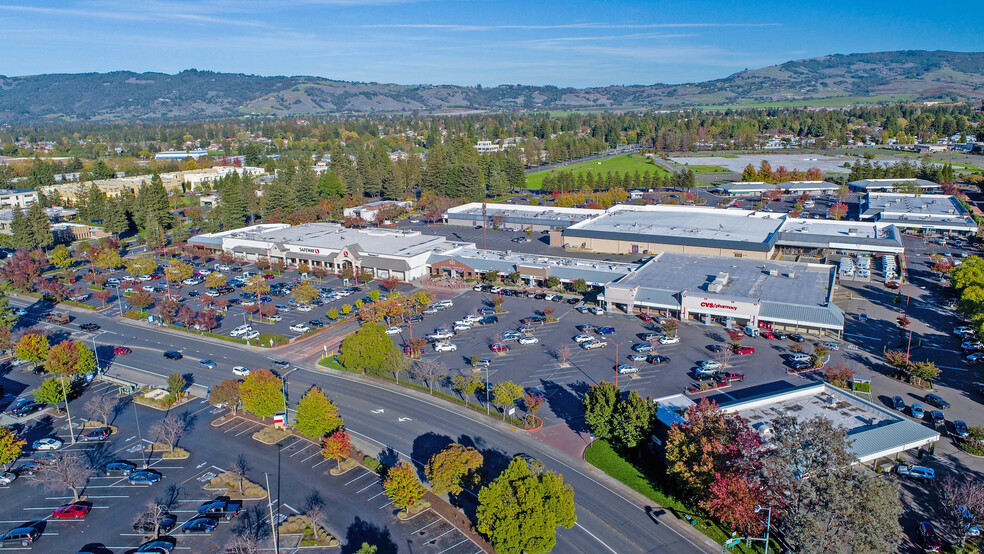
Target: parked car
[(157, 546), (300, 328), (282, 364), (928, 538), (796, 337), (528, 340), (636, 357), (657, 359), (937, 401), (121, 467), (445, 347), (7, 477), (744, 350), (937, 417), (916, 411), (220, 508), (767, 335), (199, 526), (608, 330), (626, 368), (27, 409), (71, 511), (711, 364), (959, 428), (97, 434), (144, 477), (669, 340), (21, 536), (916, 472), (499, 347), (165, 522), (898, 403), (731, 377), (47, 443), (89, 327)]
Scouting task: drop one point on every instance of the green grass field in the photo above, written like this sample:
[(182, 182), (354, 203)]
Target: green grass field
[(623, 163), (706, 168)]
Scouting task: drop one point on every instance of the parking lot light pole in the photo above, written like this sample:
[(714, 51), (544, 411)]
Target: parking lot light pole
[(119, 299), (768, 524), (283, 383), (273, 525)]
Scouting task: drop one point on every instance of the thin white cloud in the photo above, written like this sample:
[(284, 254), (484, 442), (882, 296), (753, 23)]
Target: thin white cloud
[(465, 27), (120, 13)]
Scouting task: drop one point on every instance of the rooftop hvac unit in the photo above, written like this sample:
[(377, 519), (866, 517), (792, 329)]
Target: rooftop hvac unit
[(715, 286)]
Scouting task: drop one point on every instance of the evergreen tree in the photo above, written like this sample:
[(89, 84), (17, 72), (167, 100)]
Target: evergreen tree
[(330, 186), (152, 228), (40, 226), (342, 167), (22, 236), (471, 186), (305, 183), (40, 175), (513, 167), (392, 187), (116, 220), (153, 198), (96, 206), (232, 206)]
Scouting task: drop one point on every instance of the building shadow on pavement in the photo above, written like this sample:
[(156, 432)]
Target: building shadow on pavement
[(364, 532)]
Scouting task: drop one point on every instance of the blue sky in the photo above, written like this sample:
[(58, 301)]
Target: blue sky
[(466, 42)]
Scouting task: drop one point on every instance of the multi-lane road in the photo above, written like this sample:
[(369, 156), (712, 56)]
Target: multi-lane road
[(611, 518)]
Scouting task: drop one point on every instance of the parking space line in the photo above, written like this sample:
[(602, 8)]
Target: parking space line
[(359, 477), (247, 430), (316, 453), (319, 463), (377, 494), (466, 539), (434, 540), (366, 487), (384, 505), (426, 526)]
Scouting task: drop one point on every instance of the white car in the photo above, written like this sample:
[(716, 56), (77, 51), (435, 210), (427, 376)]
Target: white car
[(471, 318), (711, 364), (191, 281), (800, 357), (240, 371), (596, 310), (393, 330), (830, 345), (445, 303), (460, 327), (669, 340), (431, 311), (241, 330), (463, 322), (528, 340), (252, 335), (144, 277), (583, 338), (204, 271), (440, 334), (496, 289), (148, 288), (47, 444), (275, 317), (592, 344), (304, 308), (300, 328), (962, 331), (626, 368), (444, 347), (7, 478)]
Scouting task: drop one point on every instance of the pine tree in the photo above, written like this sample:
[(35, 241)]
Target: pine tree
[(471, 186), (154, 233), (154, 198), (41, 174), (116, 220), (96, 204), (392, 187), (22, 235), (330, 186), (306, 186), (40, 226), (233, 208)]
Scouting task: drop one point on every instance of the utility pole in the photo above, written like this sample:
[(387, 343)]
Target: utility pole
[(283, 382), (273, 525), (139, 435)]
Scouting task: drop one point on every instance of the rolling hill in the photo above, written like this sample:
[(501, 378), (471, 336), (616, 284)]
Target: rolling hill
[(829, 80)]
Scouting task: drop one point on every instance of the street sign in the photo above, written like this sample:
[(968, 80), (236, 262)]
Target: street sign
[(732, 542), (344, 282)]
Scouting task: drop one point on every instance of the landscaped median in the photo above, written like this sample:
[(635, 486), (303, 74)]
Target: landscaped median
[(643, 476)]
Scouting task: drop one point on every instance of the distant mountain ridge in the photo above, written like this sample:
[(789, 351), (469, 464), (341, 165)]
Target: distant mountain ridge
[(910, 75)]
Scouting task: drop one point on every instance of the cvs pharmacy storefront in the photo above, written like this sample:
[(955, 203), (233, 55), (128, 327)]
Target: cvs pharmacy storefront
[(719, 310)]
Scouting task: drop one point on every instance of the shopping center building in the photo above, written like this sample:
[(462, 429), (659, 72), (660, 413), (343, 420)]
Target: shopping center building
[(730, 291)]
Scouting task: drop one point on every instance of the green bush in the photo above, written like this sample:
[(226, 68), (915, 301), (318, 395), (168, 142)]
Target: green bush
[(374, 464)]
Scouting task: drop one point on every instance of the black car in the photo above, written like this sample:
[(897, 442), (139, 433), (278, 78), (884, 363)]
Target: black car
[(158, 546), (797, 338), (935, 400), (658, 359), (802, 365), (173, 355), (27, 468), (194, 294), (96, 434), (898, 403), (572, 301), (166, 522), (780, 335), (415, 317), (89, 327), (316, 323), (121, 467), (488, 320), (200, 526), (22, 536), (28, 409), (937, 417)]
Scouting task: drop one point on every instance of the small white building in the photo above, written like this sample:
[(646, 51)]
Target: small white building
[(370, 212), (486, 146), (17, 197)]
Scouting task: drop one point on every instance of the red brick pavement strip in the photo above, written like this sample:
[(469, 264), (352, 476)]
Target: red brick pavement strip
[(563, 438)]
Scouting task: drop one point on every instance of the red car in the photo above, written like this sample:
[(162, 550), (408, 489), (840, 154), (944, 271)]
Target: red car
[(928, 537), (71, 511), (121, 350), (645, 317), (767, 335), (268, 276), (155, 276), (499, 347), (744, 350), (731, 376)]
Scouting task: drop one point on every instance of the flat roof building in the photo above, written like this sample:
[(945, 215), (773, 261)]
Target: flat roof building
[(685, 229), (174, 182), (385, 253), (924, 212), (757, 188), (471, 263), (875, 432), (17, 197), (892, 185), (731, 291), (821, 236), (370, 211), (507, 216)]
